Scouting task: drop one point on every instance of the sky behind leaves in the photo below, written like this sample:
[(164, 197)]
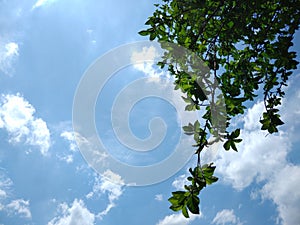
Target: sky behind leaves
[(45, 47)]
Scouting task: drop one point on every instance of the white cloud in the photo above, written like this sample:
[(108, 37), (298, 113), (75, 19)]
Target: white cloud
[(20, 207), (144, 61), (9, 52), (14, 207), (263, 159), (16, 116), (5, 186), (226, 216), (177, 219), (2, 194), (103, 185), (258, 154), (159, 197), (283, 190), (69, 136), (40, 3), (147, 54), (76, 214), (180, 181), (67, 158)]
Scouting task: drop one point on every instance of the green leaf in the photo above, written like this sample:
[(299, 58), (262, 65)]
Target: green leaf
[(173, 201), (211, 180), (189, 130), (233, 146), (236, 133), (152, 36), (197, 126), (193, 204), (176, 208), (185, 212), (144, 33), (227, 145)]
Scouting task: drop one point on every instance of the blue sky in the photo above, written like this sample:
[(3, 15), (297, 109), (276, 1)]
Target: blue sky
[(45, 48)]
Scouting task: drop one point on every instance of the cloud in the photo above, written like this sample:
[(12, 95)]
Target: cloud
[(103, 185), (5, 186), (283, 190), (226, 216), (20, 207), (17, 117), (12, 207), (40, 3), (69, 136), (177, 219), (159, 197), (263, 160), (258, 156), (144, 61), (66, 158), (180, 181), (9, 52), (76, 214)]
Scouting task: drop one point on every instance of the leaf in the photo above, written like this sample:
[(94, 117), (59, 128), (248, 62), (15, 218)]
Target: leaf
[(185, 212), (233, 146), (144, 33), (173, 201), (176, 207), (227, 145), (236, 133), (193, 204), (189, 130), (211, 180), (152, 36), (197, 126)]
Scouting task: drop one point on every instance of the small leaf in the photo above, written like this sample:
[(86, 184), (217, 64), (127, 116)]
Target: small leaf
[(152, 36), (197, 126), (193, 204), (175, 208), (236, 133), (232, 144), (173, 200), (185, 212), (144, 33), (227, 145)]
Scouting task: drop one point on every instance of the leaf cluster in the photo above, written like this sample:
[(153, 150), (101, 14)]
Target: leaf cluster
[(188, 200), (246, 47)]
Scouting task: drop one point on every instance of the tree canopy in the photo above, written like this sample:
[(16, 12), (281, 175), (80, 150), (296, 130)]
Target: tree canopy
[(246, 45)]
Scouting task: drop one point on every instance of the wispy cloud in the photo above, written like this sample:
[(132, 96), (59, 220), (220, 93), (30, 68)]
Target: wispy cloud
[(69, 156), (40, 3), (104, 185), (76, 214), (226, 216), (12, 207), (9, 52), (159, 197), (180, 181), (144, 61), (69, 136), (177, 219), (5, 186), (19, 207), (17, 117)]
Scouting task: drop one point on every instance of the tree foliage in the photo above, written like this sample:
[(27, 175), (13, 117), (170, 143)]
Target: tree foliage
[(246, 45)]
